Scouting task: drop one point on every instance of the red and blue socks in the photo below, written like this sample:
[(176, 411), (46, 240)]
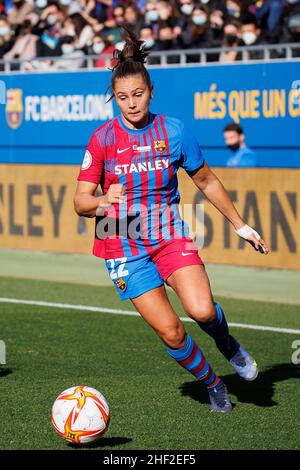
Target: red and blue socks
[(192, 359), (218, 330)]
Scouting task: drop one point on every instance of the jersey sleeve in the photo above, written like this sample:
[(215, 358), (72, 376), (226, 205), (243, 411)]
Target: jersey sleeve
[(92, 165), (191, 154)]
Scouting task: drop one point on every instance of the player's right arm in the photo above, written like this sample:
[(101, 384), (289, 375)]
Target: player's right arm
[(87, 204)]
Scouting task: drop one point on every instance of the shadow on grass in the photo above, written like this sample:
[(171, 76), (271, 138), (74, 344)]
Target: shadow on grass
[(259, 392), (4, 371), (102, 442)]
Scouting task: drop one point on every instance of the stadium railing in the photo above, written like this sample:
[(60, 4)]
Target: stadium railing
[(178, 57)]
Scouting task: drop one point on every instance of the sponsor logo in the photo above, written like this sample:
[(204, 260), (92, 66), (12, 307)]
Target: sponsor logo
[(123, 150), (160, 146), (14, 108), (142, 166), (121, 284), (145, 148), (87, 161), (186, 254)]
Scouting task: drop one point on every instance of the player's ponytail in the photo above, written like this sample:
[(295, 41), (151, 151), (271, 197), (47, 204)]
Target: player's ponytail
[(131, 59)]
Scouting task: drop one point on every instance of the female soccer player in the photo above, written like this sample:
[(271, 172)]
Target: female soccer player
[(139, 232)]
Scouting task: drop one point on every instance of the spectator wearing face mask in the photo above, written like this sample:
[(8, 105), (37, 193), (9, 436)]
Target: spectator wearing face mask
[(102, 47), (151, 15), (148, 38), (242, 155), (232, 40), (251, 36), (49, 29), (73, 59), (198, 33), (7, 38), (186, 8)]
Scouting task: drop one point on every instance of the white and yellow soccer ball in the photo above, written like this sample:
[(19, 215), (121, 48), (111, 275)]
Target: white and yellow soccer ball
[(80, 414)]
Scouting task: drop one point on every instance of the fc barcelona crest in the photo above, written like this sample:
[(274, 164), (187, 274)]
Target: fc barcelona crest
[(121, 284), (14, 108), (160, 146)]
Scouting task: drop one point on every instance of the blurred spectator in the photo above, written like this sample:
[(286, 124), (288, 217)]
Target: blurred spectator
[(133, 18), (98, 9), (102, 48), (25, 45), (50, 30), (216, 22), (148, 37), (235, 141), (17, 15), (166, 41), (186, 8), (167, 14), (232, 34), (72, 58), (292, 34), (151, 14), (269, 15), (78, 27), (164, 25), (7, 38), (118, 15), (197, 34), (234, 8), (251, 36)]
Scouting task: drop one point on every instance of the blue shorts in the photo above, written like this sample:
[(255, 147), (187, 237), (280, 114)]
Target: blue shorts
[(136, 275), (133, 276)]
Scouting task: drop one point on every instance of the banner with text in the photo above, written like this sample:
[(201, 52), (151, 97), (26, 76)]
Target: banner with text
[(36, 212)]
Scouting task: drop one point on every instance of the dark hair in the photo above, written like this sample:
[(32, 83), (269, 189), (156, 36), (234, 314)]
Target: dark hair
[(249, 19), (233, 22), (234, 126), (131, 59)]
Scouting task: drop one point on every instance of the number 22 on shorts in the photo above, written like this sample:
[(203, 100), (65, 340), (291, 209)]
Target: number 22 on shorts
[(117, 268)]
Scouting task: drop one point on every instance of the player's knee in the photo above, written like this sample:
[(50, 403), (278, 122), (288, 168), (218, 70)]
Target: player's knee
[(205, 313), (174, 336)]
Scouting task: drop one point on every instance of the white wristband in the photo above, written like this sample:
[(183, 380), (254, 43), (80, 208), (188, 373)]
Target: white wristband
[(245, 231)]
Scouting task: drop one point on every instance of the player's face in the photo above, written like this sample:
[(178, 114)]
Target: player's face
[(133, 98)]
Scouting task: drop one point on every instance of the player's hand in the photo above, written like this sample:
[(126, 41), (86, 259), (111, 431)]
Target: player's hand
[(251, 236), (115, 194)]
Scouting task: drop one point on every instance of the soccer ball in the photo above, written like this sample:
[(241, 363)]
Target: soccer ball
[(80, 414)]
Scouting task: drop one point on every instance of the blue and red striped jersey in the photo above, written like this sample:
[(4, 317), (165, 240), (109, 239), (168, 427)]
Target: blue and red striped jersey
[(146, 162)]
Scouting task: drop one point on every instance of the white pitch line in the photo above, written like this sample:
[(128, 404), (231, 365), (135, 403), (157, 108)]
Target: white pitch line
[(89, 308)]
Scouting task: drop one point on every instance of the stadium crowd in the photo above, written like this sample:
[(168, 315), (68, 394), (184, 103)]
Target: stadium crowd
[(73, 29)]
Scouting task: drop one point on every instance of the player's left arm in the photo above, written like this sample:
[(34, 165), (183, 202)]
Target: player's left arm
[(210, 185)]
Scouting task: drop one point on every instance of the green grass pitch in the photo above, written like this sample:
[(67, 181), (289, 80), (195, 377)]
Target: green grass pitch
[(155, 404)]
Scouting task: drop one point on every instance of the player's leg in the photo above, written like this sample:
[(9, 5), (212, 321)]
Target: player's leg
[(192, 286), (156, 310)]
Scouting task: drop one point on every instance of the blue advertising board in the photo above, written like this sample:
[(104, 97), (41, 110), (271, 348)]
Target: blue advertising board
[(49, 117)]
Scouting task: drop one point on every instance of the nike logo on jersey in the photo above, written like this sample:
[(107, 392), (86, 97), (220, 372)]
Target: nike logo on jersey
[(123, 150), (186, 254), (142, 166)]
